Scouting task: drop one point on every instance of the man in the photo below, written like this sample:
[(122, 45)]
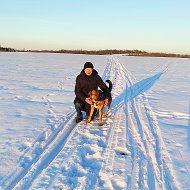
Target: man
[(86, 81)]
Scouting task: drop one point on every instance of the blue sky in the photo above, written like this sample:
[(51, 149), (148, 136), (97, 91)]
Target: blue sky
[(150, 25)]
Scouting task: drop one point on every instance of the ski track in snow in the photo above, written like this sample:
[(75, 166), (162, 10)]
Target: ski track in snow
[(127, 152)]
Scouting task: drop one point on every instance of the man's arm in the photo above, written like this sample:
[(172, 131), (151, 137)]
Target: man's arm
[(79, 94)]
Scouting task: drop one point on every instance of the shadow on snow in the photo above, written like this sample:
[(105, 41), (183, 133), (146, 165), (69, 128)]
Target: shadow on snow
[(136, 89)]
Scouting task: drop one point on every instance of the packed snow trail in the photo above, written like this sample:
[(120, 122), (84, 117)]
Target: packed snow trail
[(127, 152), (153, 157), (44, 154), (143, 139)]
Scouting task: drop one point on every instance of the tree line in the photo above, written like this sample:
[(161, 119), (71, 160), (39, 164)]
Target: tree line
[(101, 52), (90, 52), (5, 49), (156, 54)]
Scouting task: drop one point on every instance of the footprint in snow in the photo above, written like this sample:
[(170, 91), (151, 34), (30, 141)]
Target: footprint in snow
[(50, 111), (74, 171), (122, 151), (179, 145)]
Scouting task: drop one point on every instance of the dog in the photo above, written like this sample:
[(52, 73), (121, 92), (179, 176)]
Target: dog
[(97, 97)]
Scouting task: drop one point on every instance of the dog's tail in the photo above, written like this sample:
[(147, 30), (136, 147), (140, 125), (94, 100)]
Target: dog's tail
[(110, 84)]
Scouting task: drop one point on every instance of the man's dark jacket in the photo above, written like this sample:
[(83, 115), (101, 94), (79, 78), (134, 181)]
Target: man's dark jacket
[(84, 84)]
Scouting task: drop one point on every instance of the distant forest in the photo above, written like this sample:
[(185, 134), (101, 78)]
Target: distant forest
[(101, 52), (4, 49)]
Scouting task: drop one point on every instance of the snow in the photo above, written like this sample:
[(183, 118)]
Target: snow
[(143, 144)]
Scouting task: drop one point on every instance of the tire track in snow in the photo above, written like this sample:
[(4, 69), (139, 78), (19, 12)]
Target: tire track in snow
[(138, 172), (47, 178), (108, 175), (77, 144), (25, 177), (108, 155), (90, 160), (82, 164), (147, 164), (52, 147), (144, 140), (86, 157), (156, 157), (36, 151)]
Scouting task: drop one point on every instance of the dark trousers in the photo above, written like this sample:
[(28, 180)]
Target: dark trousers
[(83, 107)]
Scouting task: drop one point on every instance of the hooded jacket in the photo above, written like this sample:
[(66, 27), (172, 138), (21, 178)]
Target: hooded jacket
[(84, 84)]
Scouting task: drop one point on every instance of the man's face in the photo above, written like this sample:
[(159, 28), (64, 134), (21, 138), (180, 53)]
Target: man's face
[(88, 71)]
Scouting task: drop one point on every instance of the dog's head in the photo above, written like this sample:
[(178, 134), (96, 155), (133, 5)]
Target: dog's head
[(94, 95)]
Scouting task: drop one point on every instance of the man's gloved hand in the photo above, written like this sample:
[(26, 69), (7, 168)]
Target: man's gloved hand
[(88, 101)]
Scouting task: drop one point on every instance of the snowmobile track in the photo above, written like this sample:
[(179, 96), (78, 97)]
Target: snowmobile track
[(53, 145), (48, 153), (93, 154)]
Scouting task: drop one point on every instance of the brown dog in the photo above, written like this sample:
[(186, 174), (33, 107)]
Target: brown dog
[(96, 96)]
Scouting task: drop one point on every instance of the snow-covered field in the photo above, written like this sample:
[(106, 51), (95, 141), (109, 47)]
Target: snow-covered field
[(144, 143)]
